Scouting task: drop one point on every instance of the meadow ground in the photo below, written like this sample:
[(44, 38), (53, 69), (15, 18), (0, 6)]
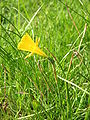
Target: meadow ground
[(41, 88)]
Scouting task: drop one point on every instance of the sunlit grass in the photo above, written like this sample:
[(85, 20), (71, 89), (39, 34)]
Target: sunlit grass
[(37, 87)]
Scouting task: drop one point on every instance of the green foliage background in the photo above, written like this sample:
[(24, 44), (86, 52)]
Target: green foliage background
[(27, 87)]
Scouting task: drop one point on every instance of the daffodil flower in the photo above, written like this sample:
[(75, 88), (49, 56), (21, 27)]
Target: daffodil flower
[(27, 44)]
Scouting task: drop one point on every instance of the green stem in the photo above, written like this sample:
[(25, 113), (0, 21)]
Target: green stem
[(18, 14), (87, 116), (68, 101), (58, 90), (0, 16), (67, 92)]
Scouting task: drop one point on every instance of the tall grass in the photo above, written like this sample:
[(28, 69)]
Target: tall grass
[(38, 88)]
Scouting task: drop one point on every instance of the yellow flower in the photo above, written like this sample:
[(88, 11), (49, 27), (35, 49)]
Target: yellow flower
[(27, 44)]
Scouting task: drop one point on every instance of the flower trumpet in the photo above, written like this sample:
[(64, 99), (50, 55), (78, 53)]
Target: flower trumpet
[(27, 44)]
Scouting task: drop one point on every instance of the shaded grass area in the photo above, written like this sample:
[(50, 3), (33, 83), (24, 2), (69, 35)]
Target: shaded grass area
[(28, 88)]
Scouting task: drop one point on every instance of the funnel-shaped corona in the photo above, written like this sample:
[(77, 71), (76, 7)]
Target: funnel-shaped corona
[(27, 44)]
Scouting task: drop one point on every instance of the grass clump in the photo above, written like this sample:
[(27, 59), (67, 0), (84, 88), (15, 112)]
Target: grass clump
[(40, 88)]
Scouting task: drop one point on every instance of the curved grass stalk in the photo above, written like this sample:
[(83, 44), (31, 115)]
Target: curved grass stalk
[(69, 82), (10, 23)]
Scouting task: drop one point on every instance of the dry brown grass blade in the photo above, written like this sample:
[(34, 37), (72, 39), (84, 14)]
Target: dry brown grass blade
[(72, 19), (53, 65)]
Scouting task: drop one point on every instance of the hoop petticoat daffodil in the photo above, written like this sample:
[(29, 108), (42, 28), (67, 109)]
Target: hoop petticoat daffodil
[(27, 44)]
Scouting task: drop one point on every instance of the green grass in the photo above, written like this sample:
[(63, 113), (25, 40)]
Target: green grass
[(37, 88)]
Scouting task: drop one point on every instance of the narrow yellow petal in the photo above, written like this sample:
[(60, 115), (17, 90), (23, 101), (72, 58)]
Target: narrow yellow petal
[(29, 55), (37, 41)]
